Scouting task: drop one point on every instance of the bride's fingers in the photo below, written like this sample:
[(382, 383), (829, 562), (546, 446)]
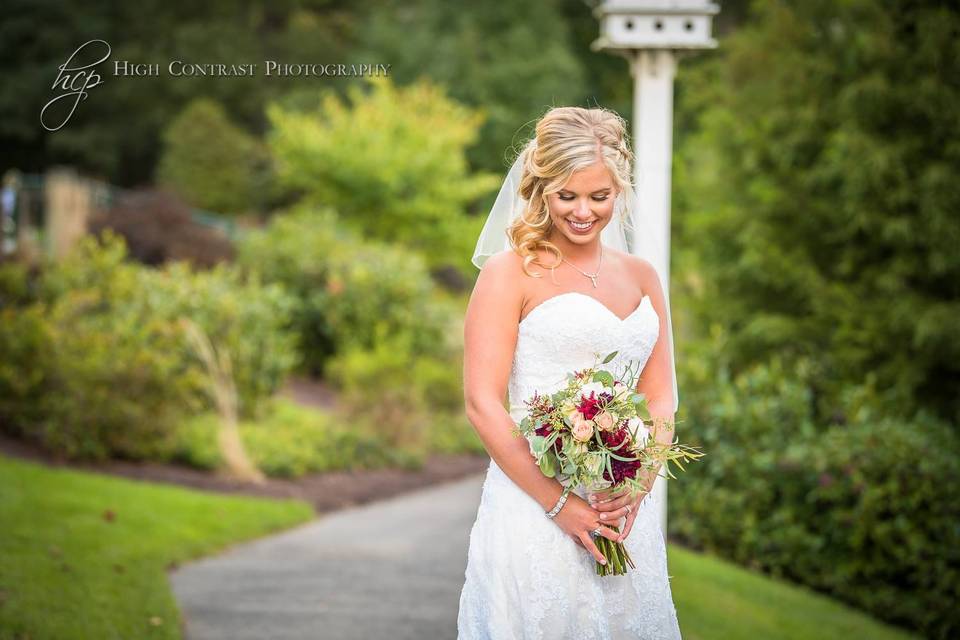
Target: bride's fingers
[(629, 523), (588, 542), (615, 514), (608, 494), (612, 505)]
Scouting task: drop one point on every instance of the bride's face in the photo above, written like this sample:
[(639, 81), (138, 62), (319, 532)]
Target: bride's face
[(584, 206)]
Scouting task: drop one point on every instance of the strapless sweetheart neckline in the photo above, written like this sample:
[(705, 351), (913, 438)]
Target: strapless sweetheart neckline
[(549, 300)]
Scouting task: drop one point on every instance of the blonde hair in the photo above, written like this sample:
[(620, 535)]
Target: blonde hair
[(567, 139)]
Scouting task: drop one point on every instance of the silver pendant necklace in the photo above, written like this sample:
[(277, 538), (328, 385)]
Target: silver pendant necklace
[(593, 276)]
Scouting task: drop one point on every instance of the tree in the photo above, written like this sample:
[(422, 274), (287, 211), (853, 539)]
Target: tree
[(819, 191), (391, 161), (212, 163)]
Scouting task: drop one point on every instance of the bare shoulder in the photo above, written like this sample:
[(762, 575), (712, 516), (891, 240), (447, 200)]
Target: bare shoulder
[(504, 269), (500, 284), (643, 273)]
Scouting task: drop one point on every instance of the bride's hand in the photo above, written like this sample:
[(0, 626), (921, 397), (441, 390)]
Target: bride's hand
[(613, 504), (577, 519)]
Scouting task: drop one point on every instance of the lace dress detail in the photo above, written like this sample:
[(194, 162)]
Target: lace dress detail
[(525, 578)]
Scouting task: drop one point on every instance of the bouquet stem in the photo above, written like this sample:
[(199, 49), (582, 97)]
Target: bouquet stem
[(616, 554)]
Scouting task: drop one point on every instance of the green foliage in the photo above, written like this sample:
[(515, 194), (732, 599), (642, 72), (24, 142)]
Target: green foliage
[(287, 441), (390, 161), (509, 60), (818, 189), (348, 289), (15, 285), (100, 365), (400, 394), (212, 163), (26, 355), (861, 508)]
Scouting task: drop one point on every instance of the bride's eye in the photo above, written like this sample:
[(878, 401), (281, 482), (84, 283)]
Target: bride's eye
[(600, 199)]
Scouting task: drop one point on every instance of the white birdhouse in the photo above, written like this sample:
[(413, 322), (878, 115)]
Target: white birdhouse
[(655, 24)]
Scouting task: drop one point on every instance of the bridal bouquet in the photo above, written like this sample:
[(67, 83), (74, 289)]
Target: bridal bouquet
[(597, 432)]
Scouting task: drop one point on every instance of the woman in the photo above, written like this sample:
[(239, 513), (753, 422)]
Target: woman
[(530, 568)]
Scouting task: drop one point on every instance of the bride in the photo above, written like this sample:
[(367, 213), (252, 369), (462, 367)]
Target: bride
[(567, 207)]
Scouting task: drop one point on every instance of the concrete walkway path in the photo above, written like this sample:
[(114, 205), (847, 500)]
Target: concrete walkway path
[(392, 569)]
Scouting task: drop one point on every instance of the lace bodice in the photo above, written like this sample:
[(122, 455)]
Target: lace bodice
[(572, 331)]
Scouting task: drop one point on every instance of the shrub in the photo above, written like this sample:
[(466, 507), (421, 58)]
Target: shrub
[(392, 160), (212, 163), (99, 366), (347, 289), (158, 227), (288, 441), (411, 400), (861, 508)]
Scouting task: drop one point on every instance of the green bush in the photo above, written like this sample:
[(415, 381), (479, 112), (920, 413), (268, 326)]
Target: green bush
[(861, 508), (288, 441), (15, 285), (212, 163), (100, 366), (410, 400), (26, 357), (347, 289), (392, 161)]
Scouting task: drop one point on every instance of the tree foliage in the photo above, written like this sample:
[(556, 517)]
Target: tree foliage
[(212, 163), (819, 192), (391, 161)]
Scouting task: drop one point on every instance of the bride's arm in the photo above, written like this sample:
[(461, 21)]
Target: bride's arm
[(490, 337)]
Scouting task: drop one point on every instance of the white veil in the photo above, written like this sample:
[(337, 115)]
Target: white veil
[(628, 231)]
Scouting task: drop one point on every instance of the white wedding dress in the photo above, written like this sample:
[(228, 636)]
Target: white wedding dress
[(526, 579)]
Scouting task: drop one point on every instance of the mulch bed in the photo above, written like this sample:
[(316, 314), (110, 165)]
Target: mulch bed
[(325, 491)]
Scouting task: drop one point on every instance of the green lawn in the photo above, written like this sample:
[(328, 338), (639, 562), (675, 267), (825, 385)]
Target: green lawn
[(84, 555), (717, 600)]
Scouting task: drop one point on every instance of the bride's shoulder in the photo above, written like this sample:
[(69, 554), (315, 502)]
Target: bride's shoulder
[(502, 271), (639, 268), (509, 263), (498, 294), (635, 263)]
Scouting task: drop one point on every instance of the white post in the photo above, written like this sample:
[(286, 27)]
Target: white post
[(653, 73)]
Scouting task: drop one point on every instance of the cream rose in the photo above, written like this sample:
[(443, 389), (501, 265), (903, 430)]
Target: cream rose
[(604, 420), (582, 429)]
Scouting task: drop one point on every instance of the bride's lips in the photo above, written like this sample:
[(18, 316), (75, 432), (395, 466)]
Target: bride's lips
[(581, 232)]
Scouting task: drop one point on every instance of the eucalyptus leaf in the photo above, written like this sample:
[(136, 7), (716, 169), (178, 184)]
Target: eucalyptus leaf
[(610, 357)]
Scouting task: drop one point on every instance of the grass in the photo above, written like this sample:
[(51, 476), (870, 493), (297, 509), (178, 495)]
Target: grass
[(717, 600), (84, 555)]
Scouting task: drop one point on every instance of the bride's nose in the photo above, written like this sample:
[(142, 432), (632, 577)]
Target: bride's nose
[(582, 211)]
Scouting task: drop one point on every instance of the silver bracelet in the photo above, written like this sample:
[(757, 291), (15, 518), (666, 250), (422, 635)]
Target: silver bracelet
[(560, 503)]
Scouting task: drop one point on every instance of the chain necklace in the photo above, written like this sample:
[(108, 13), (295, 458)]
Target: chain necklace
[(592, 276)]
